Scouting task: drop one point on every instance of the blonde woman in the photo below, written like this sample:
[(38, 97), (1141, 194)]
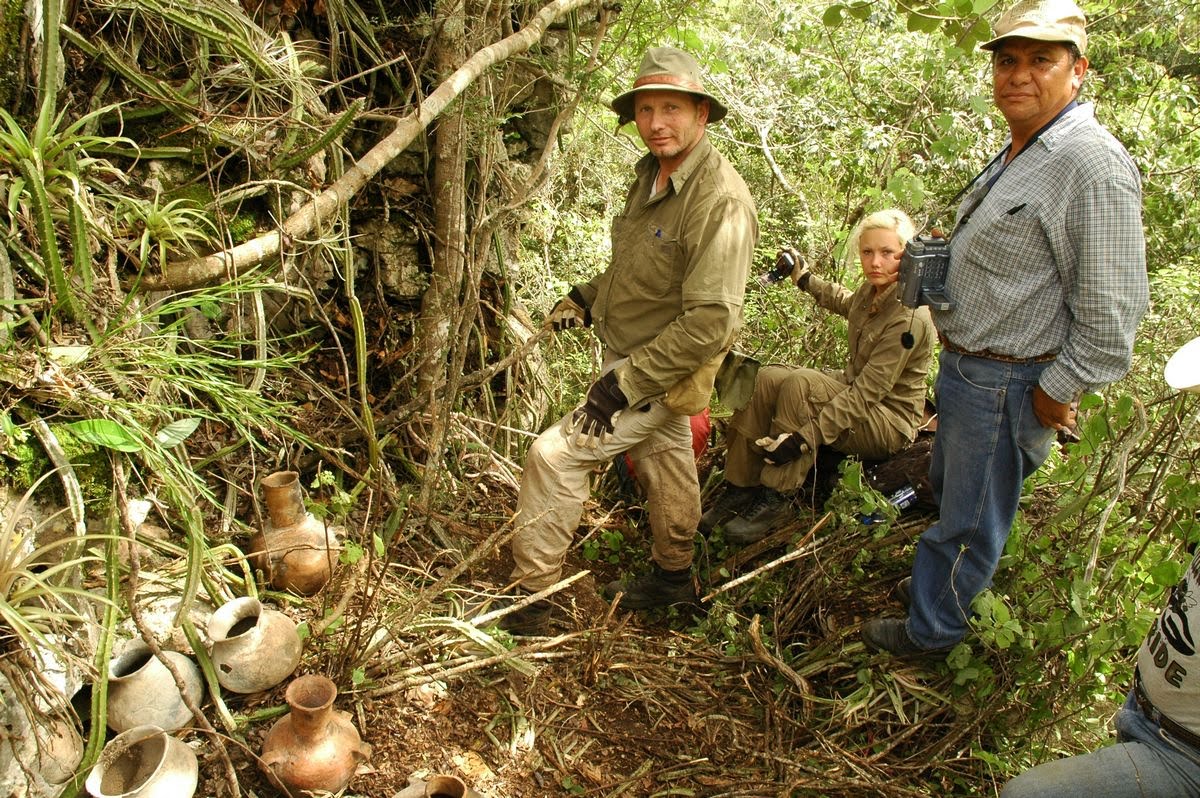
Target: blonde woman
[(871, 409)]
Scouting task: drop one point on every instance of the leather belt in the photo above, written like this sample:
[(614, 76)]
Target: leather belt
[(988, 354), (1153, 715)]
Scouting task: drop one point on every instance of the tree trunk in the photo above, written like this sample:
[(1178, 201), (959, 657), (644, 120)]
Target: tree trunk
[(440, 311)]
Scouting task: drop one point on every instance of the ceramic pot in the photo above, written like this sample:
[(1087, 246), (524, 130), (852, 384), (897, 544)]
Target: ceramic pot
[(295, 549), (253, 648), (141, 691), (314, 748), (445, 787), (144, 762), (60, 750)]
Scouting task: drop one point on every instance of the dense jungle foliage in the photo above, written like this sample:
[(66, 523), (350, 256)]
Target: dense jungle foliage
[(251, 237)]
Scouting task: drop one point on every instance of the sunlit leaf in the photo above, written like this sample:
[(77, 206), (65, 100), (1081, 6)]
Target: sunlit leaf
[(106, 433), (176, 432)]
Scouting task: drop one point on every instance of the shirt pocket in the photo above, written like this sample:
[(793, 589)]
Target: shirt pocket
[(1011, 240), (647, 257)]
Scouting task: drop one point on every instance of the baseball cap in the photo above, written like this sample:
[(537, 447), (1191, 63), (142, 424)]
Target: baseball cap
[(1043, 20)]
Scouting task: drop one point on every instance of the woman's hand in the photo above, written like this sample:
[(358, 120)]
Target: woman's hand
[(800, 271)]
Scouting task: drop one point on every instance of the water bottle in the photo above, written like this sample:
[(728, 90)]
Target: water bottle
[(902, 499)]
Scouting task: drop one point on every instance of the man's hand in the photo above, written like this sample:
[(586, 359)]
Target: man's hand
[(783, 448), (1052, 414), (594, 418), (571, 311)]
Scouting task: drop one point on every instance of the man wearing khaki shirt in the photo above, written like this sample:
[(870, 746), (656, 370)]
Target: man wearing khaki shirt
[(668, 305)]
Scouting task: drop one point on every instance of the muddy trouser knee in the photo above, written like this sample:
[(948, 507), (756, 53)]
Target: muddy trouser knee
[(666, 469), (557, 481)]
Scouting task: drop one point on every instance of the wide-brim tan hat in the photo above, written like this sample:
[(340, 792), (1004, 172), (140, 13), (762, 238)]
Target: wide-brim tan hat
[(669, 69), (1042, 20)]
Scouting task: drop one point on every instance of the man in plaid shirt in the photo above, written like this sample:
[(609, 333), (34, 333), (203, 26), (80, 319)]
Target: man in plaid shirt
[(1048, 280)]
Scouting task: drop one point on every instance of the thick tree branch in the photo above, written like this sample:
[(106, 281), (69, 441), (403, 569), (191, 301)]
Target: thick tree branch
[(222, 265)]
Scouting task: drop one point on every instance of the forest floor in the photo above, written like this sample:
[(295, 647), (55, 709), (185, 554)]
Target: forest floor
[(763, 690)]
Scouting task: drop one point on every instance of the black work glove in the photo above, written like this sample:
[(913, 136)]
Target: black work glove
[(782, 449), (594, 418), (570, 311)]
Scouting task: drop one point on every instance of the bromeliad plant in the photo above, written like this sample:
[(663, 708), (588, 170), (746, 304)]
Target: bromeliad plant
[(54, 192)]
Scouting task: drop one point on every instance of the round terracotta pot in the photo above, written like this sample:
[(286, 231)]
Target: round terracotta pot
[(313, 748), (253, 648), (445, 787), (141, 691), (144, 762)]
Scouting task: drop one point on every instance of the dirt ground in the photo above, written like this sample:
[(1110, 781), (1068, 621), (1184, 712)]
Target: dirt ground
[(631, 704)]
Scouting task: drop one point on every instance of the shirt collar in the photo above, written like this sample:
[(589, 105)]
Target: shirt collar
[(648, 166), (878, 300)]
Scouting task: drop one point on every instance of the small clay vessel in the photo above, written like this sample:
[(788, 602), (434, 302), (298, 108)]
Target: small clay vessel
[(314, 748), (144, 762), (141, 691), (253, 647), (295, 549), (445, 787)]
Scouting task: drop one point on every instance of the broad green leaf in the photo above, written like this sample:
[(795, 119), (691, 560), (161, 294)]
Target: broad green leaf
[(106, 433), (833, 16), (1166, 573), (176, 432), (919, 23), (860, 11)]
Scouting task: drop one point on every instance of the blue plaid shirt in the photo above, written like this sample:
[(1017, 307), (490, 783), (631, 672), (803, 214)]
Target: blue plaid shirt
[(1053, 260)]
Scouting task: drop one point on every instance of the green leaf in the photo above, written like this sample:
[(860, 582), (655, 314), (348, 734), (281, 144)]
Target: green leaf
[(919, 23), (106, 433), (1166, 573), (176, 432), (833, 16), (860, 11)]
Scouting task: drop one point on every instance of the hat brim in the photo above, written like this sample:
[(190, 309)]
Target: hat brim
[(622, 104), (1182, 371), (1038, 36)]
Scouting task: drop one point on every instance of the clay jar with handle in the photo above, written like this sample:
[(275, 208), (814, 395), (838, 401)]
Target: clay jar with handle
[(295, 549), (253, 647), (141, 691), (144, 762), (314, 748)]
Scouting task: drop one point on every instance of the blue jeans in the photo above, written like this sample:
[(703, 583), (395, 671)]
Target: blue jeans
[(1145, 762), (988, 441)]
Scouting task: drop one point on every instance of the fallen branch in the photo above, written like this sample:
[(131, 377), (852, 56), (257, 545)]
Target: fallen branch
[(802, 549)]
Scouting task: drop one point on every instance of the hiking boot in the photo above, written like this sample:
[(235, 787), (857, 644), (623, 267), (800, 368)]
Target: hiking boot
[(732, 500), (891, 635), (531, 620), (659, 588), (903, 592), (768, 508)]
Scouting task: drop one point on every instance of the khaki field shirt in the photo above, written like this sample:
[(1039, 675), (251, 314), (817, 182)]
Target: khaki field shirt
[(882, 375), (671, 297)]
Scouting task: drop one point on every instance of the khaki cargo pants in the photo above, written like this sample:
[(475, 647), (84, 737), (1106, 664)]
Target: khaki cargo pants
[(789, 399), (556, 483)]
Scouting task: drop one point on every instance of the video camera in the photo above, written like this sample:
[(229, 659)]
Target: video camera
[(923, 268)]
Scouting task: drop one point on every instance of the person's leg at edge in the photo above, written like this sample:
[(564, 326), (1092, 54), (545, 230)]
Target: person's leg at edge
[(1141, 764), (988, 442)]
